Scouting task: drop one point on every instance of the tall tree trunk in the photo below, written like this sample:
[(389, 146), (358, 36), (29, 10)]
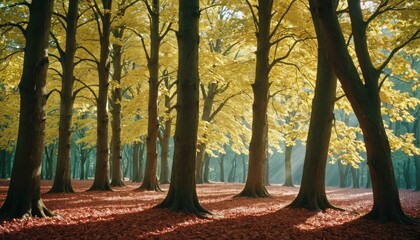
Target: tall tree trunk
[(365, 101), (24, 194), (116, 98), (164, 165), (208, 98), (62, 179), (101, 180), (164, 140), (182, 195), (312, 194), (150, 182), (288, 180), (254, 186)]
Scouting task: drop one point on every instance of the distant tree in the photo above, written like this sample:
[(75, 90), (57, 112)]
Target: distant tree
[(24, 195), (182, 195), (363, 94)]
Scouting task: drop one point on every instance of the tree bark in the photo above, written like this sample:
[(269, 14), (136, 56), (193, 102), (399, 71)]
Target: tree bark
[(312, 194), (101, 180), (164, 140), (24, 194), (182, 195), (206, 168), (116, 98), (62, 179), (150, 182), (365, 101), (288, 181), (254, 186)]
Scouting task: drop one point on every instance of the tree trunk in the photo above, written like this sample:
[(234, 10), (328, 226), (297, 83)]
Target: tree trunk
[(416, 131), (182, 195), (101, 180), (342, 172), (355, 177), (254, 186), (136, 149), (232, 172), (116, 98), (24, 194), (62, 179), (49, 157), (206, 168), (221, 161), (243, 168), (288, 181), (3, 161), (312, 194), (150, 182), (365, 101), (164, 141), (164, 164), (406, 173)]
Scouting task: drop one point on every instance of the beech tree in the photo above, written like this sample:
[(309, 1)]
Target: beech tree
[(118, 64), (363, 94), (62, 179), (266, 38), (24, 194), (103, 19), (182, 195), (312, 191), (150, 181)]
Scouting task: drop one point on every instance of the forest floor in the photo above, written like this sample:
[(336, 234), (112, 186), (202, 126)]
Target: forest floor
[(127, 214)]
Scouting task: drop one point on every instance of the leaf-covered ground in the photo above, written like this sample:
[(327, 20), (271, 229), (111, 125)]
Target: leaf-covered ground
[(128, 214)]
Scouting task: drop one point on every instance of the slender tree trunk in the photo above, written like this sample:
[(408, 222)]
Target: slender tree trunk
[(416, 131), (62, 179), (150, 182), (182, 195), (254, 186), (136, 149), (164, 165), (206, 168), (3, 160), (101, 181), (406, 172), (164, 141), (24, 194), (288, 181), (232, 172), (312, 194), (116, 98), (355, 177), (221, 161), (365, 101), (243, 168), (141, 161)]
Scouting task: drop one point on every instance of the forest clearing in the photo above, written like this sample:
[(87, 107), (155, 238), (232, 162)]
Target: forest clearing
[(127, 214)]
